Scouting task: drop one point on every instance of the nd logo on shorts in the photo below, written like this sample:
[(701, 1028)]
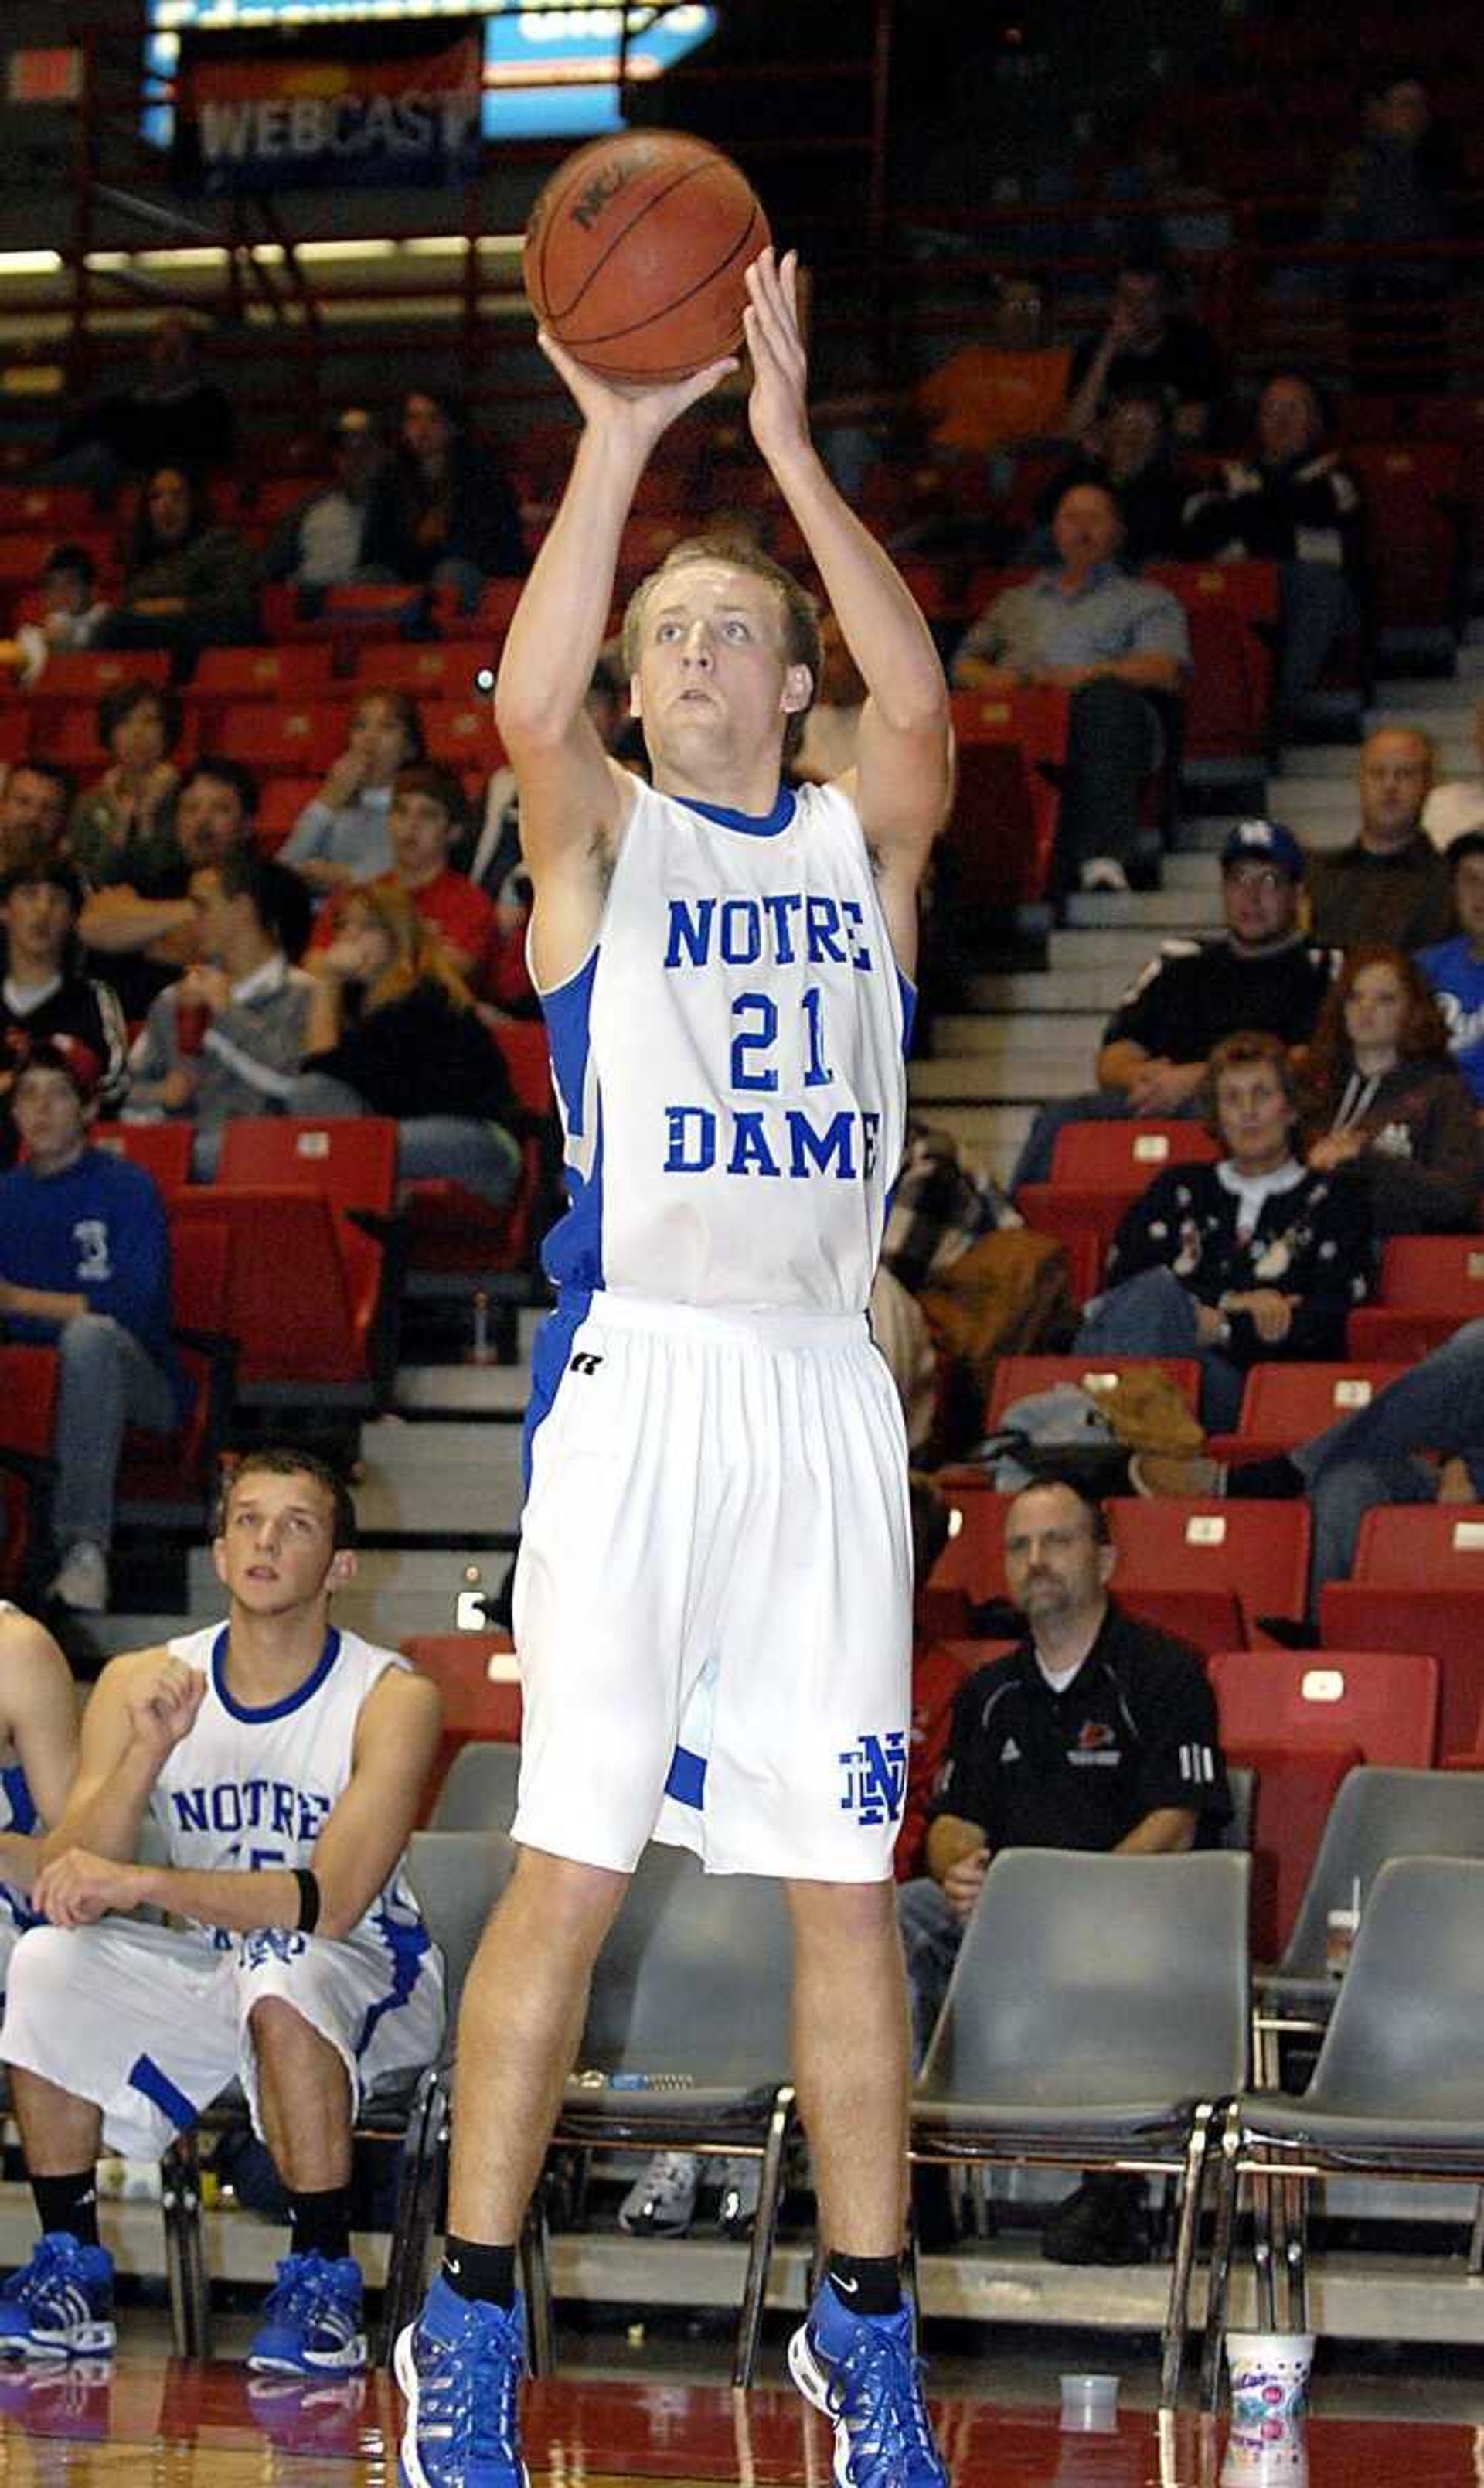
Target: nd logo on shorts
[(875, 1777)]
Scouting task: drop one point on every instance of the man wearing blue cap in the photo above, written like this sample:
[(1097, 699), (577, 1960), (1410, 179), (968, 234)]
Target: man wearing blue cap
[(1259, 973)]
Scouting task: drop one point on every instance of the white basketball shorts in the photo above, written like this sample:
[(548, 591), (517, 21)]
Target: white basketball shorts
[(151, 2022), (713, 1604)]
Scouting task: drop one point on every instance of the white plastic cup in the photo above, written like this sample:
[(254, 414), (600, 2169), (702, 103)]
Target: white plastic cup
[(1269, 2374), (1266, 2453), (1341, 1927), (1089, 2405)]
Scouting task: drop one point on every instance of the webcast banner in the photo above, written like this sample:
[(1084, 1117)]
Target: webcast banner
[(327, 107)]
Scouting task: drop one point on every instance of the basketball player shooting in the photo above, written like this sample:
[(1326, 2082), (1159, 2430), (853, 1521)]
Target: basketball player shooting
[(712, 1606)]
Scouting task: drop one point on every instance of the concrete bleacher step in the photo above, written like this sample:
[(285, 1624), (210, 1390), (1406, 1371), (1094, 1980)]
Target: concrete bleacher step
[(488, 1394), (991, 1136), (438, 1479), (1126, 948), (1063, 1036), (1055, 991), (1154, 911), (1011, 1075)]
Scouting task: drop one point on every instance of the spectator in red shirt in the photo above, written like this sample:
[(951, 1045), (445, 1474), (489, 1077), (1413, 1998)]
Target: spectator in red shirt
[(427, 820)]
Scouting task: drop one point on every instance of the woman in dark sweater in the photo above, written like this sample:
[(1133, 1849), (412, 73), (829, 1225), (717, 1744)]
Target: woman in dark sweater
[(393, 1030), (1255, 1257), (1383, 1106)]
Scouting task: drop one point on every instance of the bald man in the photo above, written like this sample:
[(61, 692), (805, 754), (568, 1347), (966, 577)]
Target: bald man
[(1392, 885)]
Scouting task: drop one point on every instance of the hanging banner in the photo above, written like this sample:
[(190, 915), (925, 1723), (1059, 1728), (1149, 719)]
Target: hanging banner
[(330, 107)]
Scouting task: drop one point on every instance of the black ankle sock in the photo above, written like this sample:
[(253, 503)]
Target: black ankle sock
[(479, 2272), (321, 2223), (867, 2284), (68, 2204)]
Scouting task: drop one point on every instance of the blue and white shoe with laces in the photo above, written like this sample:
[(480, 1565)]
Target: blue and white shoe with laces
[(312, 2322), (60, 2304), (861, 2373), (459, 2369)]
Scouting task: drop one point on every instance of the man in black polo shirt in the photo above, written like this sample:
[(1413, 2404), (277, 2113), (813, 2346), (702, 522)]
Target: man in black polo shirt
[(1095, 1732), (1390, 884), (1260, 973)]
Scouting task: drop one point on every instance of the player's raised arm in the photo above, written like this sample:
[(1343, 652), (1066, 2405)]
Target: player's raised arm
[(903, 775), (570, 795)]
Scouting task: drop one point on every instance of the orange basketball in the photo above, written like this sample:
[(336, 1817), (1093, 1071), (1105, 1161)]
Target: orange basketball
[(634, 255)]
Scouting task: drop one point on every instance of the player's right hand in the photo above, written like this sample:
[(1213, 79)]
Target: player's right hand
[(630, 409), (162, 1706)]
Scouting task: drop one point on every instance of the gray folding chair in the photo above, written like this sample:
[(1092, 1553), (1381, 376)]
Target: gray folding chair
[(457, 1876), (1098, 2017), (1399, 2087), (686, 2048), (1377, 1815), (479, 1792)]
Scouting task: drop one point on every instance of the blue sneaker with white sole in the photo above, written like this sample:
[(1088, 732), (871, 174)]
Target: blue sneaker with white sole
[(459, 2369), (312, 2322), (60, 2304), (860, 2370)]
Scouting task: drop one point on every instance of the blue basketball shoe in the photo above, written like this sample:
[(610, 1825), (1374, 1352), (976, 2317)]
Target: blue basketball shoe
[(60, 2304), (459, 2369), (312, 2319), (860, 2371)]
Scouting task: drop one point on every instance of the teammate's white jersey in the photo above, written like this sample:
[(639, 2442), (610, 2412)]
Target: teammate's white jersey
[(252, 1789), (730, 1063), (17, 1813)]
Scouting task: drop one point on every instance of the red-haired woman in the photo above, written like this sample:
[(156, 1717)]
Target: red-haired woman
[(1382, 1105)]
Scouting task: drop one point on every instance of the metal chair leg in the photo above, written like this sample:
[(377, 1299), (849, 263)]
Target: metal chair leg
[(1218, 2281), (1476, 2238), (765, 2229), (1263, 2274), (1177, 2315), (1296, 2258), (190, 2308)]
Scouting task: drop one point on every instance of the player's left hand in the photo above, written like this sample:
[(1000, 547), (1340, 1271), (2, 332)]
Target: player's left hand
[(777, 407), (77, 1889)]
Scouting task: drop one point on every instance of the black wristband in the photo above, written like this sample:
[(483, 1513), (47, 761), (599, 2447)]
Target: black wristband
[(309, 1899)]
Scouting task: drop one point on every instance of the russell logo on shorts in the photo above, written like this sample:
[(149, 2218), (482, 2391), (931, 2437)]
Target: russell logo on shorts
[(875, 1777)]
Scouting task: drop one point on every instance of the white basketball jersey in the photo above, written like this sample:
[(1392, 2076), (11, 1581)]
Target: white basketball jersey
[(252, 1789), (730, 1063)]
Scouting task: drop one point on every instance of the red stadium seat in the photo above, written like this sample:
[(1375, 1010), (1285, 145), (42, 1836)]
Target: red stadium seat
[(1295, 1787), (23, 556), (18, 731), (476, 1675), (303, 1302), (1415, 533), (28, 1413), (279, 805), (1283, 1405), (1016, 1378), (1232, 610), (171, 1478), (1430, 1284), (1418, 1583), (452, 1233), (291, 738), (298, 674), (462, 733), (1259, 1551), (429, 669), (1386, 1702), (489, 620), (324, 1189), (1100, 1170), (1011, 746), (162, 1149), (66, 509), (350, 1158), (85, 674)]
